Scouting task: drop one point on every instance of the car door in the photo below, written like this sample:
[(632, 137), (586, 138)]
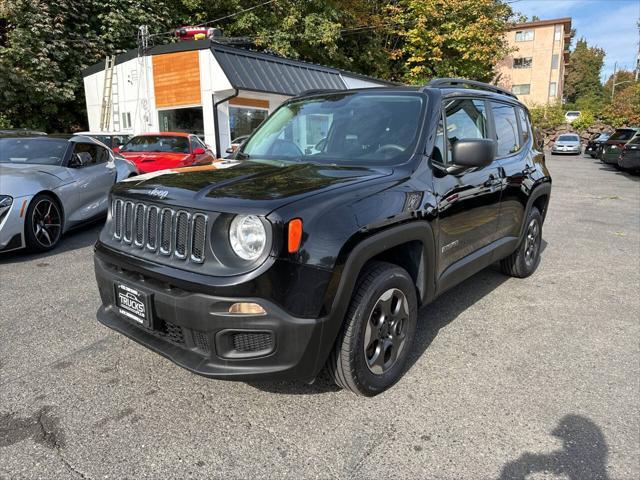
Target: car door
[(93, 177), (469, 199), (515, 157)]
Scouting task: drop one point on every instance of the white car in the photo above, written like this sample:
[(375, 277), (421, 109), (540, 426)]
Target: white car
[(571, 115)]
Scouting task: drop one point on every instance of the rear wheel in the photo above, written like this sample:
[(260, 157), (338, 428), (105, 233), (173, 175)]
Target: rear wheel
[(371, 352), (524, 261), (43, 225)]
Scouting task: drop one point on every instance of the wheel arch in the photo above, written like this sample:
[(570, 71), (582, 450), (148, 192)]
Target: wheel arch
[(538, 198), (57, 199), (387, 245)]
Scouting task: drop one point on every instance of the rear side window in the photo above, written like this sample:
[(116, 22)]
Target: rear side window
[(622, 135), (506, 123), (525, 128)]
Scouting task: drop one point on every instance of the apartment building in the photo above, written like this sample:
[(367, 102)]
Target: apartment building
[(535, 70)]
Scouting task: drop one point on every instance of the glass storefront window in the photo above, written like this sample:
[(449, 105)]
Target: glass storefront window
[(182, 120), (243, 121)]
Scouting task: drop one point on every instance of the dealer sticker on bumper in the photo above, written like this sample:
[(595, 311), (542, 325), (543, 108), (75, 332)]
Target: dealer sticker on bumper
[(132, 303)]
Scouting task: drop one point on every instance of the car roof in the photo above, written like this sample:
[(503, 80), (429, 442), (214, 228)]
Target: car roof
[(447, 91), (166, 134), (103, 133)]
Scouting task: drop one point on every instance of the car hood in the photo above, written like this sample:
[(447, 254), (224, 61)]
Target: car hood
[(153, 156), (19, 180), (242, 187)]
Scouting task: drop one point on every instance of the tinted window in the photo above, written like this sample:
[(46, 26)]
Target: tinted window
[(524, 125), (160, 143), (466, 118), (622, 135), (504, 117), (634, 141), (360, 128), (42, 151), (90, 153)]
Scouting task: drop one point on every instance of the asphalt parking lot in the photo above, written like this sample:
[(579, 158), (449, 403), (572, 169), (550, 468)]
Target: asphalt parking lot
[(535, 378)]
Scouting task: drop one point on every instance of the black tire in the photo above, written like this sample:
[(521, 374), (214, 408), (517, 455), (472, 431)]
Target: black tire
[(524, 261), (40, 235), (349, 362)]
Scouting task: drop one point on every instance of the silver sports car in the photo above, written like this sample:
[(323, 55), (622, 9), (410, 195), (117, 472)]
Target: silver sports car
[(49, 185)]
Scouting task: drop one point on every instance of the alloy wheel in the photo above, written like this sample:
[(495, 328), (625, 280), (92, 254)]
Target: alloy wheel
[(385, 336), (532, 243), (46, 223)]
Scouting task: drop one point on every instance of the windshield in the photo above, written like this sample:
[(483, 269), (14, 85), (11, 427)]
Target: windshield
[(362, 128), (568, 138), (43, 151), (159, 143), (622, 135)]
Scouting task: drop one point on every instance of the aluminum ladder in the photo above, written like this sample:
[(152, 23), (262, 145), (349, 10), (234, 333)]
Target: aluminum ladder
[(107, 93)]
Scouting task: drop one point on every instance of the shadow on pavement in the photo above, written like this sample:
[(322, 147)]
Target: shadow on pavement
[(617, 171), (583, 455), (80, 237)]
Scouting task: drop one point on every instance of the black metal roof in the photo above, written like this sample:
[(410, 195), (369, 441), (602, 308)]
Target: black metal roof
[(260, 72)]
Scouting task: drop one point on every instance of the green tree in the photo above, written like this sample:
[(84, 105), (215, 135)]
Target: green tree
[(623, 78), (443, 38), (46, 46), (583, 77)]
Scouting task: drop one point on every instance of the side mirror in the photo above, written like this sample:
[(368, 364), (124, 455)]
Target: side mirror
[(473, 152), (229, 150), (199, 151)]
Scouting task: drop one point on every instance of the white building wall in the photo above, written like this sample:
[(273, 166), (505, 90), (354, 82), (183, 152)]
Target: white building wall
[(135, 96), (355, 82)]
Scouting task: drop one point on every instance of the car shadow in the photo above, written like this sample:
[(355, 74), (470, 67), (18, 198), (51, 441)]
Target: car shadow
[(607, 167), (583, 455), (80, 237)]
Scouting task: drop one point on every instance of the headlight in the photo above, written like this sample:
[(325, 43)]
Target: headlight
[(247, 236), (5, 204)]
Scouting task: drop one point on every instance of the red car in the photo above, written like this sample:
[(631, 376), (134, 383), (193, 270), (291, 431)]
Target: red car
[(159, 151)]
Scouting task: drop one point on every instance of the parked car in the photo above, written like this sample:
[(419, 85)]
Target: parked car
[(567, 143), (288, 261), (612, 148), (571, 115), (50, 185), (595, 143), (159, 151), (110, 139), (21, 131), (236, 143), (630, 156)]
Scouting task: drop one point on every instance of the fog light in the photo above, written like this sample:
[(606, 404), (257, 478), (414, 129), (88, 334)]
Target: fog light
[(246, 308)]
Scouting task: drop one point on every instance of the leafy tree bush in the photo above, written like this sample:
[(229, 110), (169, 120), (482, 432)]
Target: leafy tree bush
[(547, 116), (584, 121), (625, 108)]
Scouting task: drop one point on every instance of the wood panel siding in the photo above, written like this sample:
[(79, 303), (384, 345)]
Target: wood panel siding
[(176, 79), (249, 102)]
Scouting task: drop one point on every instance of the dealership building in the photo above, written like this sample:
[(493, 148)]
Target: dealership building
[(200, 86)]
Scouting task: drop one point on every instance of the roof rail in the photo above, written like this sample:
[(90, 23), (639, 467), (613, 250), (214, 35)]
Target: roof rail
[(463, 82), (317, 91)]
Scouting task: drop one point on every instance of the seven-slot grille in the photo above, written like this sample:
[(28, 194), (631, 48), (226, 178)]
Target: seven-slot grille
[(169, 232)]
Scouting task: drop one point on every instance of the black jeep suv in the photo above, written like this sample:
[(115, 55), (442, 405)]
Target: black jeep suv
[(345, 213)]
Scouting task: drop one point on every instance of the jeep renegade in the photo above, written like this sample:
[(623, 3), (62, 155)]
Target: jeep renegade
[(345, 212)]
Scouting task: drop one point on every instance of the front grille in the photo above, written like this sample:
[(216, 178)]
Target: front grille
[(138, 220), (201, 340), (174, 333), (177, 234), (182, 231), (252, 342)]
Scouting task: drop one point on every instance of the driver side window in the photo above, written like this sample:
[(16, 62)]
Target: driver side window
[(466, 118)]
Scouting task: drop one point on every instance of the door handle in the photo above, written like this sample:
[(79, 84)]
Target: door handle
[(490, 181)]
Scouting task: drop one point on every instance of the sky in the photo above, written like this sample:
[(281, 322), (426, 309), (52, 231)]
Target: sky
[(608, 24)]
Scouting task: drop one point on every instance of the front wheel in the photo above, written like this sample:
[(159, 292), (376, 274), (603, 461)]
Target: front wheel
[(43, 224), (371, 352), (524, 261)]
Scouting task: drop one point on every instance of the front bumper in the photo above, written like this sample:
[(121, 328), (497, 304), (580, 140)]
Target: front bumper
[(571, 150), (195, 330), (12, 225)]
